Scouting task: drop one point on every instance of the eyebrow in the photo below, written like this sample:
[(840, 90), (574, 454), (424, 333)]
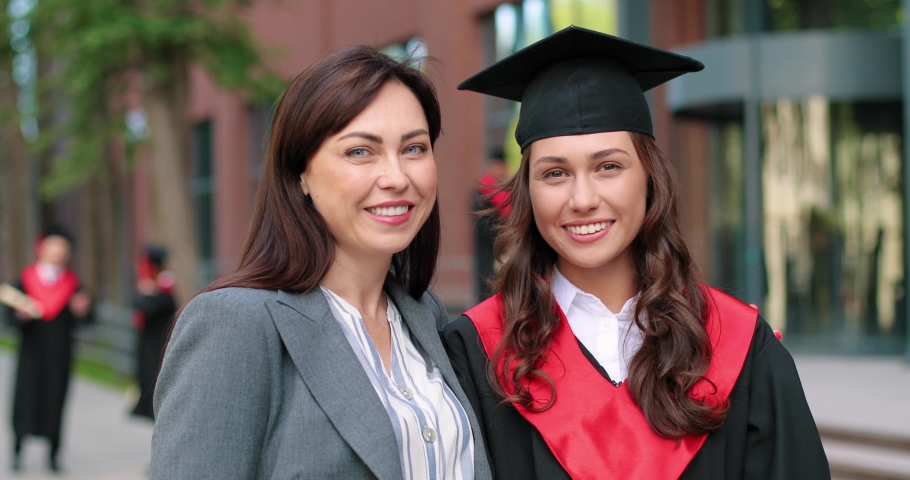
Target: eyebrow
[(591, 156), (369, 136), (551, 159), (607, 153), (414, 133), (377, 139)]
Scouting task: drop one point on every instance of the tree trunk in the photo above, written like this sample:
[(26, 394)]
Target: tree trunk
[(15, 194), (168, 163)]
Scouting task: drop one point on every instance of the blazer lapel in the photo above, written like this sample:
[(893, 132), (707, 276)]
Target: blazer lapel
[(317, 346)]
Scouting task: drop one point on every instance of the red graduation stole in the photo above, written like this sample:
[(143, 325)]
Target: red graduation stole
[(594, 429), (54, 297)]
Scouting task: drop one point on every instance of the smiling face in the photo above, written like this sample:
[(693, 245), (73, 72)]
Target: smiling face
[(374, 182), (588, 196)]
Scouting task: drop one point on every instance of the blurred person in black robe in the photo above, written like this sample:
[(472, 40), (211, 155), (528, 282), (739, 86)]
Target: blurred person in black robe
[(46, 345), (154, 308)]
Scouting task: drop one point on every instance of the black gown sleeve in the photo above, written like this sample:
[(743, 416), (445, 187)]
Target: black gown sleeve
[(769, 432), (783, 440)]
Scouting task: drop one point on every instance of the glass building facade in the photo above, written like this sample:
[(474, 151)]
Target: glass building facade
[(807, 205)]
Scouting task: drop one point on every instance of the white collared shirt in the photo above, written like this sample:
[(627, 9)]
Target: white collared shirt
[(612, 338)]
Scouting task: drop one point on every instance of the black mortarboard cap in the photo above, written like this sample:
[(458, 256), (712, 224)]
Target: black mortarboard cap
[(580, 81), (156, 254)]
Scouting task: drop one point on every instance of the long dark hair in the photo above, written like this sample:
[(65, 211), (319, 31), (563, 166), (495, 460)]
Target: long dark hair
[(670, 311), (288, 245)]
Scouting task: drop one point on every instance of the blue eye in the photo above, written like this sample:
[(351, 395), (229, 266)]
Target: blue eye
[(415, 149), (358, 152)]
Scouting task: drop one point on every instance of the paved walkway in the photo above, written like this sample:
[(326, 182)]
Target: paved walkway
[(101, 441), (866, 394)]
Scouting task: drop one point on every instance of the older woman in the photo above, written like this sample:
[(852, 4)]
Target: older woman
[(602, 355), (320, 357)]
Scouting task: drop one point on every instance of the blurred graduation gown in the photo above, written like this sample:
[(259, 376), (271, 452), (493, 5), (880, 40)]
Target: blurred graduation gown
[(152, 316), (45, 356)]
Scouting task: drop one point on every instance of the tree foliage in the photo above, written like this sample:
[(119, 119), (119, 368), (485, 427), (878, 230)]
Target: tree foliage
[(101, 49)]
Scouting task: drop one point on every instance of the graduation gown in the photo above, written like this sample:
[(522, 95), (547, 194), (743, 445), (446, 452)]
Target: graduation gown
[(156, 312), (44, 367), (768, 433)]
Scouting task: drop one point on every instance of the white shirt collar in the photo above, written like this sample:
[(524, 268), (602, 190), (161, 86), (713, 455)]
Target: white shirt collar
[(566, 293), (48, 273)]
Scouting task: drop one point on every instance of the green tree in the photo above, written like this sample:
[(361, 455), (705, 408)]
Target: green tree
[(104, 50), (14, 172)]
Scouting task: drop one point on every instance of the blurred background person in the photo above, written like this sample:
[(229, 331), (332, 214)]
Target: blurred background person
[(486, 198), (46, 342), (154, 307)]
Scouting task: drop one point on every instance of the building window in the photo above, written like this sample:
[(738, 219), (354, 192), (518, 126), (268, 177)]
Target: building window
[(413, 48), (730, 17), (202, 190), (513, 26), (727, 208), (833, 228)]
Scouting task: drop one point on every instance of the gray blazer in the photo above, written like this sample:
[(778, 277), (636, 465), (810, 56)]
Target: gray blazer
[(264, 384)]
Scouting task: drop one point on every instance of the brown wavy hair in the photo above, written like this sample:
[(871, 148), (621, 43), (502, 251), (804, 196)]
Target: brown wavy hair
[(288, 245), (670, 310)]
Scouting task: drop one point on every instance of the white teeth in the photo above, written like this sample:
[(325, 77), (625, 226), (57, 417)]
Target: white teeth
[(389, 211), (588, 229)]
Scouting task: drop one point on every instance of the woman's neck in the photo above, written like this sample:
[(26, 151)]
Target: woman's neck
[(359, 282), (614, 284)]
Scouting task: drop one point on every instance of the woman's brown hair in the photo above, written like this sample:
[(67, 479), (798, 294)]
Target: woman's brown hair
[(288, 245), (670, 311)]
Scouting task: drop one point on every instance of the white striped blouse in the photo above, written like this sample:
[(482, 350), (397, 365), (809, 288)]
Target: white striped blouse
[(432, 429)]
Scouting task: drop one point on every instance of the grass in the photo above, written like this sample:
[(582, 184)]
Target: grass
[(88, 369)]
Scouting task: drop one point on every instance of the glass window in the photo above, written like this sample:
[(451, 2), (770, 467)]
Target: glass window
[(412, 48), (785, 15), (202, 190), (833, 229), (727, 208), (513, 26), (729, 17)]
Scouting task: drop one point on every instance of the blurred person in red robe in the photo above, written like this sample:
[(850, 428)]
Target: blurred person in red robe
[(46, 345), (486, 197), (154, 308)]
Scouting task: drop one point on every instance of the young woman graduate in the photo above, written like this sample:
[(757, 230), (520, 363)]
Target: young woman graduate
[(601, 354)]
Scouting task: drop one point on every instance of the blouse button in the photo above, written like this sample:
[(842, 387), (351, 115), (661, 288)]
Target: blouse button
[(429, 434), (407, 392)]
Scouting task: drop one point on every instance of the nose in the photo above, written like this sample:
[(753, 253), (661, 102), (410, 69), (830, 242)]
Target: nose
[(392, 176), (584, 195)]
